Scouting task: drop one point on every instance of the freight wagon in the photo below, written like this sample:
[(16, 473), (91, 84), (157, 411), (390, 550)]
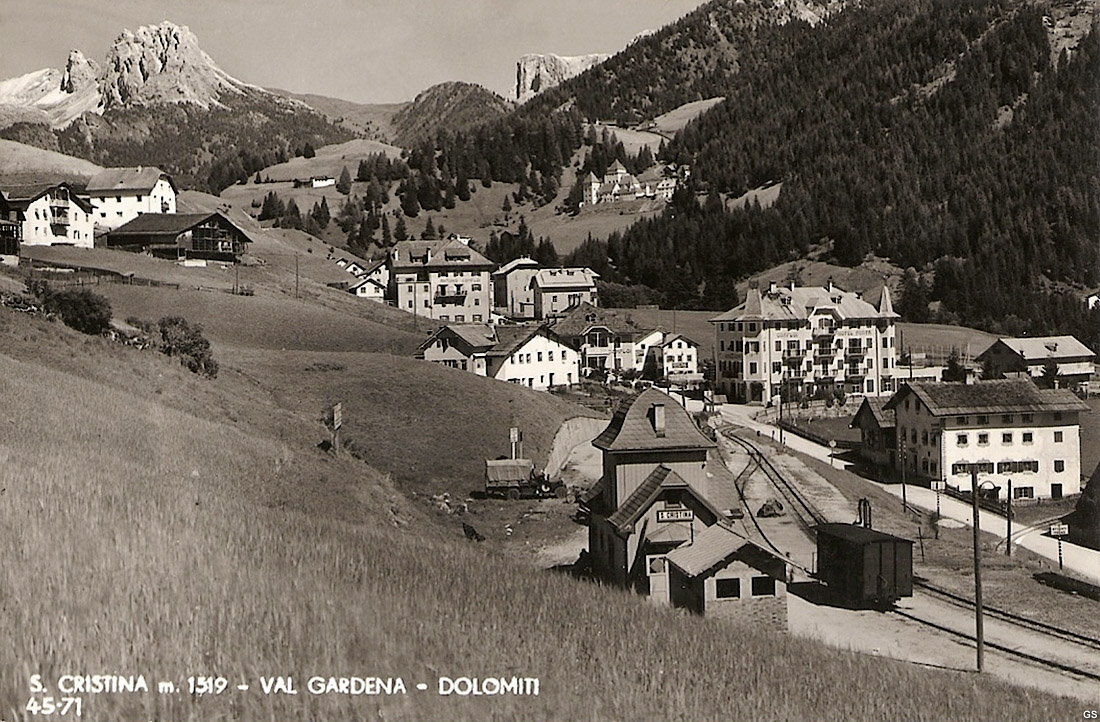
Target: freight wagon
[(863, 567)]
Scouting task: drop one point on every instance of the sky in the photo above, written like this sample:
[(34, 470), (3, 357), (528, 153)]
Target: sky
[(368, 51)]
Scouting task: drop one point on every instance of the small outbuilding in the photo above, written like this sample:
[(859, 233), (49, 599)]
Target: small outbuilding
[(877, 431), (722, 574)]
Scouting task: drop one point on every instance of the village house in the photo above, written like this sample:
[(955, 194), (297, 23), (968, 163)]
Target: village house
[(528, 355), (1012, 429), (318, 181), (369, 288), (1073, 359), (373, 279), (50, 214), (119, 195), (662, 486), (677, 359), (513, 295), (606, 339), (209, 235), (444, 280), (803, 340), (556, 290), (877, 432)]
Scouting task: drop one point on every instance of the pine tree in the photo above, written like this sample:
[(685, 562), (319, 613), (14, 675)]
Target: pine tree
[(410, 206), (387, 237), (344, 184), (429, 231), (400, 232)]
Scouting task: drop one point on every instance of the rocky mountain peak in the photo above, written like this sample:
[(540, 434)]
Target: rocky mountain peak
[(536, 73), (162, 64), (80, 73)]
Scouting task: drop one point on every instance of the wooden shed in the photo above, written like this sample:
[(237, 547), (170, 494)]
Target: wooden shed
[(863, 567)]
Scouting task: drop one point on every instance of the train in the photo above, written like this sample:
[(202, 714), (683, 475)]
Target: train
[(864, 568)]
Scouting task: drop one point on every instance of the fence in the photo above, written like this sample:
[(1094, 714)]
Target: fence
[(63, 278)]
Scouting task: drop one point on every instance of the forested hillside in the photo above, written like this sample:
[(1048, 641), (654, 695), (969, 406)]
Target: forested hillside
[(942, 135)]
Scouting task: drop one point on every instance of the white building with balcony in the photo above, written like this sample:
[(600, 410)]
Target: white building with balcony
[(120, 195), (1013, 430), (50, 214), (804, 340), (444, 280)]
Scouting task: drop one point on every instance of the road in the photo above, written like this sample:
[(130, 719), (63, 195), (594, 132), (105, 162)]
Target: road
[(1083, 562)]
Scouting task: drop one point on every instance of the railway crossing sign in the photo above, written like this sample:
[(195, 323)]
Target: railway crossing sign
[(938, 485)]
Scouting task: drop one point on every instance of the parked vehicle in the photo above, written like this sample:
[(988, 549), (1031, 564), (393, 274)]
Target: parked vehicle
[(516, 478)]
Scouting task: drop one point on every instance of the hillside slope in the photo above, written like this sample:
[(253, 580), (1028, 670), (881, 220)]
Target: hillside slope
[(171, 525)]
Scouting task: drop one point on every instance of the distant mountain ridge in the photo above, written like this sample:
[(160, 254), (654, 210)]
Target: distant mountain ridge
[(452, 106), (159, 99)]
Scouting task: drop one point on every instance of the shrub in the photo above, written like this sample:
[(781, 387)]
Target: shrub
[(185, 341), (83, 310)]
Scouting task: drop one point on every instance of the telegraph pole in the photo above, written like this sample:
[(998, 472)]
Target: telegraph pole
[(979, 631)]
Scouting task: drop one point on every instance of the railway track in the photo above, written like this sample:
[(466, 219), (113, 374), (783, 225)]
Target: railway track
[(809, 517)]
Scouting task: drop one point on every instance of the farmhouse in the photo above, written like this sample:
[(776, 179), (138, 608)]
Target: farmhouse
[(444, 280), (528, 355), (1073, 359), (49, 214), (318, 181), (11, 232), (721, 574), (367, 287), (659, 489), (877, 432), (1011, 428), (119, 195), (556, 290), (805, 339), (211, 236), (606, 339)]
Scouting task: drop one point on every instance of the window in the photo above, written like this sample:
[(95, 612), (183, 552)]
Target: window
[(460, 318), (1026, 437), (118, 199), (475, 287), (1026, 418), (539, 357), (1057, 415), (776, 367), (983, 420), (549, 355), (139, 198), (1006, 438), (1057, 437), (1023, 492), (962, 420), (1006, 418), (778, 346), (763, 587), (1016, 467), (983, 439), (924, 437), (1059, 465), (727, 588), (477, 317), (752, 368), (444, 317)]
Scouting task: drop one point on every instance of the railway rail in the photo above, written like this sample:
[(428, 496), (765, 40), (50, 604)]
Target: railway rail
[(809, 517)]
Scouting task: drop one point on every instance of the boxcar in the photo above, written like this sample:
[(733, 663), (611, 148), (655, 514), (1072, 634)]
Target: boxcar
[(863, 567)]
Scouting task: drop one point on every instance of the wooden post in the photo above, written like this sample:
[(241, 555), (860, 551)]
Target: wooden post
[(337, 422), (979, 631)]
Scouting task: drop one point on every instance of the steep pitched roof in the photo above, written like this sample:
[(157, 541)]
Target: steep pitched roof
[(585, 316), (782, 303), (511, 338), (438, 254), (874, 407), (22, 195), (660, 479), (1003, 396), (140, 178), (632, 428), (1042, 348), (711, 547), (678, 337)]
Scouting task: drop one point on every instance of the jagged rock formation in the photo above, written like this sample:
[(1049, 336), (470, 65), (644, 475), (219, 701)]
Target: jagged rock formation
[(536, 73), (80, 73), (162, 64)]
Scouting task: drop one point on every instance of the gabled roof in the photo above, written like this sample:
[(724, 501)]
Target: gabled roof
[(22, 195), (875, 408), (490, 339), (616, 167), (517, 263), (114, 180), (584, 316), (1004, 396), (510, 339), (711, 547), (632, 428), (1042, 348), (636, 505), (374, 266), (782, 303), (367, 282), (678, 337), (564, 278), (162, 223), (440, 254)]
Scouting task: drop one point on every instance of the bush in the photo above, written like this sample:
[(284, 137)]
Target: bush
[(185, 341), (83, 310)]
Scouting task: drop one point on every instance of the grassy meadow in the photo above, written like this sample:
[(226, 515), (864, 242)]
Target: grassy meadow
[(159, 524)]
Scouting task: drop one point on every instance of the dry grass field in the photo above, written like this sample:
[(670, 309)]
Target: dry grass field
[(163, 525), (674, 120), (19, 161)]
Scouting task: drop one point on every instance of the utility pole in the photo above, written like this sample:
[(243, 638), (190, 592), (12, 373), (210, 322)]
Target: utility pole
[(979, 631), (904, 500), (1008, 534), (295, 275)]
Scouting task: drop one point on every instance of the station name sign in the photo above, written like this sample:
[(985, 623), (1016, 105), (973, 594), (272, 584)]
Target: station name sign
[(664, 515)]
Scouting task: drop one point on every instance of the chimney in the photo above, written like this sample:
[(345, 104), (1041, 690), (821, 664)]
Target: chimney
[(771, 287), (427, 256), (659, 419)]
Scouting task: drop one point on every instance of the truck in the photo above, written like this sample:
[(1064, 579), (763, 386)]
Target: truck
[(515, 478)]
